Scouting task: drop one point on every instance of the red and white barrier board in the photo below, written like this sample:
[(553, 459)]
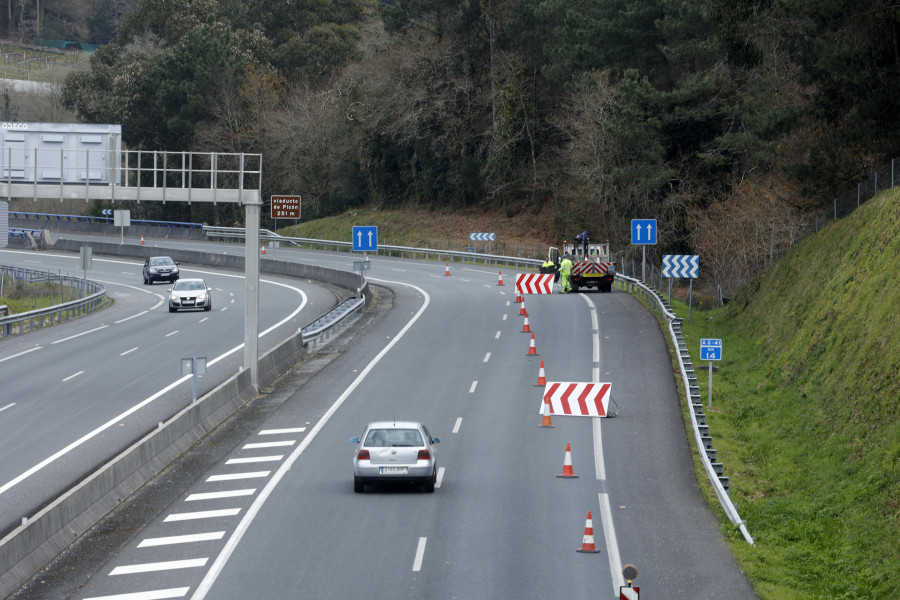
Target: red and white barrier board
[(534, 283), (577, 399), (629, 593)]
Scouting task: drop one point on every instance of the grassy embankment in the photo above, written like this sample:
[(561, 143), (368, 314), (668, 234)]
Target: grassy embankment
[(525, 235), (806, 411)]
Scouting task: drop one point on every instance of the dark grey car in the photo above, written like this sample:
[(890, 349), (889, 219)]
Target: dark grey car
[(160, 268)]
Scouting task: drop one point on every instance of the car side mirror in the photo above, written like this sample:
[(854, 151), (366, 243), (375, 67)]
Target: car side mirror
[(354, 440), (436, 440)]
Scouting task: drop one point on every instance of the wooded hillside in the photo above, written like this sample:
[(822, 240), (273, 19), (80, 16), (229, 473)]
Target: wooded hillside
[(718, 118)]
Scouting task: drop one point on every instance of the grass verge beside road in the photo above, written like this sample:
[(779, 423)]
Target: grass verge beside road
[(805, 411)]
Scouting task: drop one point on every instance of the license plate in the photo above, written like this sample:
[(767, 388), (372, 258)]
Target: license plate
[(188, 302), (393, 470)]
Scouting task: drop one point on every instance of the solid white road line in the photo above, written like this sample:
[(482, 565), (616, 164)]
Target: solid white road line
[(420, 554), (268, 445), (280, 431), (440, 477), (204, 514), (236, 476), (218, 495), (182, 539), (612, 544), (599, 465), (171, 565), (151, 595), (241, 461), (10, 405)]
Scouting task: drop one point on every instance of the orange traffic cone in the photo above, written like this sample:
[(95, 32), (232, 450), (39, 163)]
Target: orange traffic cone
[(142, 239), (522, 310), (526, 328), (367, 257), (519, 297), (500, 281), (587, 544), (567, 472), (546, 421), (447, 271), (532, 351), (541, 379), (263, 251)]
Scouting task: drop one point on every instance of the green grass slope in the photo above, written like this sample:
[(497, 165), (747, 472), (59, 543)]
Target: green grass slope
[(805, 411)]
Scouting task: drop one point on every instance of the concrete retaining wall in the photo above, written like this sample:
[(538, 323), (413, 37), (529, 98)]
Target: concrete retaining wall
[(32, 545)]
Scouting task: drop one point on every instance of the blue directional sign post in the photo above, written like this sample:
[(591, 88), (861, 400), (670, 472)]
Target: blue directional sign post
[(643, 233), (365, 238), (682, 266), (710, 350)]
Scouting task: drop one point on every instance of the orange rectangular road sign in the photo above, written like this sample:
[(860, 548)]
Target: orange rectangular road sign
[(285, 207)]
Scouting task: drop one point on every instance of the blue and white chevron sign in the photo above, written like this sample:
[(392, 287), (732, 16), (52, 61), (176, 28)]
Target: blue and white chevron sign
[(681, 266), (482, 237)]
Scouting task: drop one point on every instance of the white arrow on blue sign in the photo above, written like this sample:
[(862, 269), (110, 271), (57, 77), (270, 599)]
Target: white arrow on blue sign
[(710, 349), (482, 237), (643, 231), (681, 266), (365, 238)]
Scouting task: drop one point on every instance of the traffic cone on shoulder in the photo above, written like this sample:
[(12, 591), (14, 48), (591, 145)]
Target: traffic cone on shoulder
[(447, 271), (142, 239), (532, 351), (541, 379), (367, 257), (526, 328), (263, 250), (587, 544), (500, 281), (546, 421), (522, 311), (567, 471), (519, 297)]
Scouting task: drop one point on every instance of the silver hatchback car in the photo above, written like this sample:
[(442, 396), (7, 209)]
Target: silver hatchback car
[(395, 452)]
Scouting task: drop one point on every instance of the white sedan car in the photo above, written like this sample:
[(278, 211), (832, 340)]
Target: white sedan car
[(395, 452), (189, 293)]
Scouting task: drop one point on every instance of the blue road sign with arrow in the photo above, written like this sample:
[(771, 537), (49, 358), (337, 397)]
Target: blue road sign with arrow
[(643, 231), (365, 238)]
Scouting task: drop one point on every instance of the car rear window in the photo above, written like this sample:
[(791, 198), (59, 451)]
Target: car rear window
[(393, 437)]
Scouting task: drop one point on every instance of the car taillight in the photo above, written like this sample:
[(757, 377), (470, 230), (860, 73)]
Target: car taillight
[(423, 455), (363, 455)]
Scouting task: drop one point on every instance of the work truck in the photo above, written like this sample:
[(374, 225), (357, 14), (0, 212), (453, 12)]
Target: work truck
[(592, 265)]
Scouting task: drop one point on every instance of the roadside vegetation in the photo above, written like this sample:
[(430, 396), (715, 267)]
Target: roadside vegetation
[(806, 412), (24, 296)]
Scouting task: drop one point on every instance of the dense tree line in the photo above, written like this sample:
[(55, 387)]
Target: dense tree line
[(90, 21), (605, 110)]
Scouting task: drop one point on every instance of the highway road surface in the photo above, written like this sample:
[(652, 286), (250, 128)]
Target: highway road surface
[(271, 513)]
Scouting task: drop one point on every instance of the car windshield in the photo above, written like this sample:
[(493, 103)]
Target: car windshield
[(393, 437), (161, 262), (187, 284)]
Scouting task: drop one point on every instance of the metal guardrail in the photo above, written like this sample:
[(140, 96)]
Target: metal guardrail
[(238, 233), (102, 220), (94, 296), (334, 318), (714, 470)]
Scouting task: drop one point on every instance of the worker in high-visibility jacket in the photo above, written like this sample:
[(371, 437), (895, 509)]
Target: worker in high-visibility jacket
[(565, 272)]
